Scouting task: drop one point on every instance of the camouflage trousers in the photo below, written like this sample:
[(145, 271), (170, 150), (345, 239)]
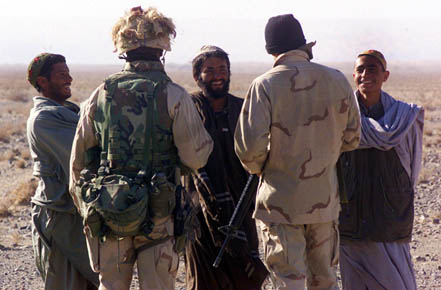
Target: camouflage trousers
[(114, 259), (295, 254)]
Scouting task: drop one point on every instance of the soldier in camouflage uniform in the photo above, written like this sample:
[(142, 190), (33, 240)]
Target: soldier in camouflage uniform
[(144, 102), (296, 120), (57, 229)]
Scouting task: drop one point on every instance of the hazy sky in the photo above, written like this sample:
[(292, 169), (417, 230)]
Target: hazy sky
[(80, 29)]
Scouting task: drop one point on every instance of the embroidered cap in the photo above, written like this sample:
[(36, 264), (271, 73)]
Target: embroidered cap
[(209, 49), (35, 67), (375, 53)]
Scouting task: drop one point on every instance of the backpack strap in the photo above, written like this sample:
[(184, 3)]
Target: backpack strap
[(155, 122), (150, 133), (104, 162), (141, 177)]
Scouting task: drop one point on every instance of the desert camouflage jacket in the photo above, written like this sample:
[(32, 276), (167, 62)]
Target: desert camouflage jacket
[(50, 131), (296, 120), (191, 139)]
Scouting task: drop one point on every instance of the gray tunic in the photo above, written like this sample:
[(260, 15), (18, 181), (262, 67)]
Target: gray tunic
[(50, 129), (59, 243)]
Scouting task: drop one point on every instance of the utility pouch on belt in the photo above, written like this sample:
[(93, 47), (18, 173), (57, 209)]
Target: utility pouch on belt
[(162, 196), (114, 203), (94, 222)]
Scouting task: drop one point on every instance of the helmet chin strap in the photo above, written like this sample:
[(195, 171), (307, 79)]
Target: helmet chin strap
[(163, 57), (122, 56)]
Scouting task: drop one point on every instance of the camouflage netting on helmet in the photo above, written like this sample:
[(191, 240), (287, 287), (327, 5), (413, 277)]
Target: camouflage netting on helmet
[(140, 27)]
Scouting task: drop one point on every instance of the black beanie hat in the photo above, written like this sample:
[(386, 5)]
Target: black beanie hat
[(283, 33)]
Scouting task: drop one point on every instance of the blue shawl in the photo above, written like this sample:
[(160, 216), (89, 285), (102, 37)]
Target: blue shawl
[(401, 128)]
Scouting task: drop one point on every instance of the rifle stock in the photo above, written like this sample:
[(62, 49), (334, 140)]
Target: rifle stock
[(242, 207)]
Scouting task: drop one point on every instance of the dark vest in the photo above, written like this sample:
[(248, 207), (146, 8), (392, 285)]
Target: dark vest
[(380, 196)]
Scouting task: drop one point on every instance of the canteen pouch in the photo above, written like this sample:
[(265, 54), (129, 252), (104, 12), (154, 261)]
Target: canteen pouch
[(94, 223), (162, 197), (186, 223)]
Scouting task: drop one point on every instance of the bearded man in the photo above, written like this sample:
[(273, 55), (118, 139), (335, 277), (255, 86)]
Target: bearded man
[(219, 185)]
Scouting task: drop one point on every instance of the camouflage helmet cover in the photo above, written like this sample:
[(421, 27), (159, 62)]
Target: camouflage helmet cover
[(140, 27)]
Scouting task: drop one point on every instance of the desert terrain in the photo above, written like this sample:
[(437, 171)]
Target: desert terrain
[(417, 83)]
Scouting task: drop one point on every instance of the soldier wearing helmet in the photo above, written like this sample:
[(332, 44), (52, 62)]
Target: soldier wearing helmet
[(138, 127), (223, 180)]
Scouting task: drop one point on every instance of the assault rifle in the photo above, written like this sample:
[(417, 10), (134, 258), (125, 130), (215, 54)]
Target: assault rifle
[(241, 210)]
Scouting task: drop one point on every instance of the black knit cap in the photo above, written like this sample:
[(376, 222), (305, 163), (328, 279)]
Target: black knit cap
[(283, 33)]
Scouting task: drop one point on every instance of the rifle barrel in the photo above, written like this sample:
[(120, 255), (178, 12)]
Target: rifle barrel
[(242, 207)]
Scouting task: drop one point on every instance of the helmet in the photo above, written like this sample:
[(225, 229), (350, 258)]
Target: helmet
[(140, 27)]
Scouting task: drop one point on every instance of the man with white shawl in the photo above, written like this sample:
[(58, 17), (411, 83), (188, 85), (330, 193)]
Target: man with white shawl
[(379, 182)]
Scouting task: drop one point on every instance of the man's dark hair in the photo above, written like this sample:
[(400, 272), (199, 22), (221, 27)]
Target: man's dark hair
[(47, 67), (143, 53), (199, 61)]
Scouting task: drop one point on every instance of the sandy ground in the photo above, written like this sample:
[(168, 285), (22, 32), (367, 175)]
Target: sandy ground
[(17, 268)]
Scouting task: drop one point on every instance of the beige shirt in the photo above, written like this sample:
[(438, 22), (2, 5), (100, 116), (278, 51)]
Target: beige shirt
[(193, 142), (296, 120)]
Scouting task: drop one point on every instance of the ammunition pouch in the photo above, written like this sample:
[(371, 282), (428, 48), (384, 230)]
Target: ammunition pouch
[(185, 220)]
